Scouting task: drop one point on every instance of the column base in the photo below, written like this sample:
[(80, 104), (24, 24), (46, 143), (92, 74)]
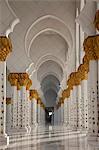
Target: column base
[(4, 140), (19, 130), (92, 137)]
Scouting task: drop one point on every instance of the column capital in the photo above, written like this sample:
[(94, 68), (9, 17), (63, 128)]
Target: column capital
[(91, 47), (39, 100), (83, 70), (5, 47), (23, 79), (96, 20), (29, 84), (13, 78), (34, 94), (8, 100), (66, 93), (70, 81)]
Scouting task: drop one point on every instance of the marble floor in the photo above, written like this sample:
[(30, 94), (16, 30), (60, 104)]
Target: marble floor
[(51, 138)]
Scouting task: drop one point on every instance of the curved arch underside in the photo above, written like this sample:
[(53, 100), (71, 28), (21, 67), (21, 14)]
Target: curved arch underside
[(50, 86)]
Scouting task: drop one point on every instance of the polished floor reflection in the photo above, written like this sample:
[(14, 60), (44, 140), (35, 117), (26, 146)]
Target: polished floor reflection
[(51, 138)]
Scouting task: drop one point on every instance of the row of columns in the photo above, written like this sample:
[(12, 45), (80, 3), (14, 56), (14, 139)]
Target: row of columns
[(25, 105), (80, 98), (20, 111)]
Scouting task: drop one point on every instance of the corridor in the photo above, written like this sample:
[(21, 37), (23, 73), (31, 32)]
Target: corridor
[(49, 74), (51, 138)]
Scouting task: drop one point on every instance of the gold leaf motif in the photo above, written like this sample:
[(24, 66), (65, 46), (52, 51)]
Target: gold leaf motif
[(29, 84), (5, 47), (13, 78), (23, 79)]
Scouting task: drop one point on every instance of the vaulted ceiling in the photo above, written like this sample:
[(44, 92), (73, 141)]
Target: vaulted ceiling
[(43, 37)]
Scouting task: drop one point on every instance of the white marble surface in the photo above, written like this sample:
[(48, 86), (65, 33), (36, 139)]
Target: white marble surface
[(51, 138)]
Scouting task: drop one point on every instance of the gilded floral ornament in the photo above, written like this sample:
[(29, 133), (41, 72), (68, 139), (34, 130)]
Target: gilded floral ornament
[(23, 79), (91, 47), (96, 20), (83, 71), (66, 93), (29, 84), (5, 47), (71, 80), (13, 78), (39, 100), (34, 94)]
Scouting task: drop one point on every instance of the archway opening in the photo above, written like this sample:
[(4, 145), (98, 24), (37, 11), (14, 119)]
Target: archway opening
[(50, 86)]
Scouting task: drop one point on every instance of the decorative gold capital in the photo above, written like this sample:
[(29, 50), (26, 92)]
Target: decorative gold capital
[(29, 84), (13, 78), (42, 105), (39, 100), (66, 93), (83, 70), (34, 94), (5, 47), (91, 47), (8, 100), (96, 20), (23, 79), (71, 81)]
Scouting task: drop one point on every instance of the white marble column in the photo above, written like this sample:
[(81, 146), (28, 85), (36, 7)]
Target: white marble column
[(74, 107), (13, 78), (85, 96), (80, 116), (93, 109), (69, 113), (28, 105), (42, 114), (38, 111), (8, 114), (66, 112), (97, 32), (34, 98), (59, 115), (55, 116), (23, 79), (19, 106), (2, 102), (5, 49), (71, 103), (62, 112)]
